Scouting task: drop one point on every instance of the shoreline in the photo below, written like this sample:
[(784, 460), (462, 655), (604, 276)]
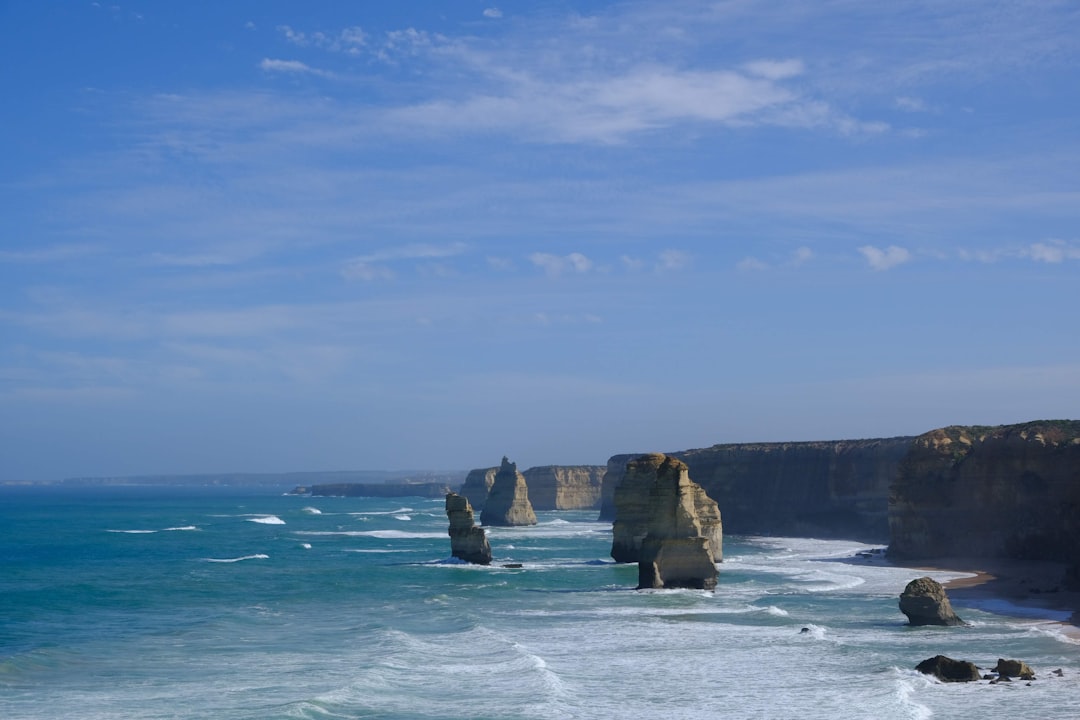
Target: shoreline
[(1030, 590)]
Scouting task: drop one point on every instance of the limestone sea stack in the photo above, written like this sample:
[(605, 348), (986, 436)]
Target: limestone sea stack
[(635, 505), (467, 542), (925, 603), (508, 500), (477, 486), (683, 541)]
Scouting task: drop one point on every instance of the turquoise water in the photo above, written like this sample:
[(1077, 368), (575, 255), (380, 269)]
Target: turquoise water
[(167, 603)]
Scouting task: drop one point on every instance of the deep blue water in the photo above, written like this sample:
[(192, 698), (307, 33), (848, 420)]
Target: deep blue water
[(217, 603)]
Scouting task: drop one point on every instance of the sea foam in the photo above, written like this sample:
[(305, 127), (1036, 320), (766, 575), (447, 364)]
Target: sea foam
[(267, 520)]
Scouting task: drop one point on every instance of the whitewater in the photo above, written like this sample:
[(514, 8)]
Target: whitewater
[(226, 604)]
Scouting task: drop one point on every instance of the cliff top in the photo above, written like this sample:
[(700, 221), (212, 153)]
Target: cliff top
[(1046, 432)]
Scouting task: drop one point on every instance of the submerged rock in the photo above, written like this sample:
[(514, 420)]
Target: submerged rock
[(508, 501), (948, 670), (684, 538), (467, 542), (925, 603)]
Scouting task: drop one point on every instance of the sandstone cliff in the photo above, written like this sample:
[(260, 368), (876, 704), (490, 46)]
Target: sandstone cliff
[(508, 501), (564, 487), (477, 486), (683, 542), (1010, 491), (637, 504), (819, 489), (467, 542)]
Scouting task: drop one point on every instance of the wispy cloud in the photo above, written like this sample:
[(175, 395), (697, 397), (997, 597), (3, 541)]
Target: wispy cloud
[(1053, 251), (350, 40), (890, 257), (54, 253), (555, 265), (293, 67), (492, 12)]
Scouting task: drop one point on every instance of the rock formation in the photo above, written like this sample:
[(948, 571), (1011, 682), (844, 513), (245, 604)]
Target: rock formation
[(467, 542), (819, 489), (564, 487), (477, 486), (636, 505), (925, 603), (1010, 491), (948, 670), (683, 539), (508, 500), (1014, 669)]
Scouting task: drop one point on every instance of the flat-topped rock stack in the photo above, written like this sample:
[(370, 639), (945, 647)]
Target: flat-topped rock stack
[(467, 542), (508, 500)]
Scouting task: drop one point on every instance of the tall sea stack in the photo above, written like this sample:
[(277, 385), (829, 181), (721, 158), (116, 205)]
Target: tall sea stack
[(467, 542), (684, 541), (508, 501)]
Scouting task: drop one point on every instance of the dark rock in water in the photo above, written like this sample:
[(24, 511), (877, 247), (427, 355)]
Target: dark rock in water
[(1013, 668), (513, 566), (925, 603), (1059, 672), (467, 542), (948, 670), (508, 501), (684, 540), (805, 631)]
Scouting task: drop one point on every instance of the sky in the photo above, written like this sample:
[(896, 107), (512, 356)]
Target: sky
[(280, 236)]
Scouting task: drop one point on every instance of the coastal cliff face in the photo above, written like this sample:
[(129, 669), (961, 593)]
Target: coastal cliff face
[(1010, 491), (682, 545), (819, 489), (508, 502), (477, 485), (564, 487)]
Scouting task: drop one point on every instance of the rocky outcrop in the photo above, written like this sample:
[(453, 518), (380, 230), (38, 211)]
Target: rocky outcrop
[(390, 489), (508, 500), (925, 603), (565, 487), (477, 485), (683, 538), (1010, 491), (819, 489), (1014, 669), (467, 542), (948, 670)]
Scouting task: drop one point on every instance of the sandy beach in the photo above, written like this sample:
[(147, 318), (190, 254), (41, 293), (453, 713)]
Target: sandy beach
[(1029, 589)]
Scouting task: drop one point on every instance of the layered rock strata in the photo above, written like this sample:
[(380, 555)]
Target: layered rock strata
[(925, 603), (683, 538), (467, 542), (1010, 491), (477, 485), (508, 500), (565, 487), (637, 505), (819, 489)]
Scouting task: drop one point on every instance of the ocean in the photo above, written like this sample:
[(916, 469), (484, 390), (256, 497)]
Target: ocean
[(228, 604)]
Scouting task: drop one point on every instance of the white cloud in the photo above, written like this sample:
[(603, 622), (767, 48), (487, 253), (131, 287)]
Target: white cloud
[(249, 25), (911, 104), (751, 264), (632, 264), (672, 260), (775, 69), (415, 251), (351, 40), (801, 255), (1053, 251), (555, 265), (499, 263), (291, 66), (359, 270), (884, 259), (493, 12)]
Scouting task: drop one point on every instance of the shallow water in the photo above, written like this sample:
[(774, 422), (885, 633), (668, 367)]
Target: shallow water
[(152, 603)]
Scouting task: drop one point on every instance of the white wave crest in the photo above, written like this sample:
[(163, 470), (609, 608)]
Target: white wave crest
[(312, 511), (306, 546), (133, 532), (258, 556), (185, 528), (402, 517), (383, 534), (267, 520)]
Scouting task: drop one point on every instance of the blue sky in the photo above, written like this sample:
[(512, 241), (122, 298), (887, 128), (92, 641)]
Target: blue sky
[(273, 236)]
